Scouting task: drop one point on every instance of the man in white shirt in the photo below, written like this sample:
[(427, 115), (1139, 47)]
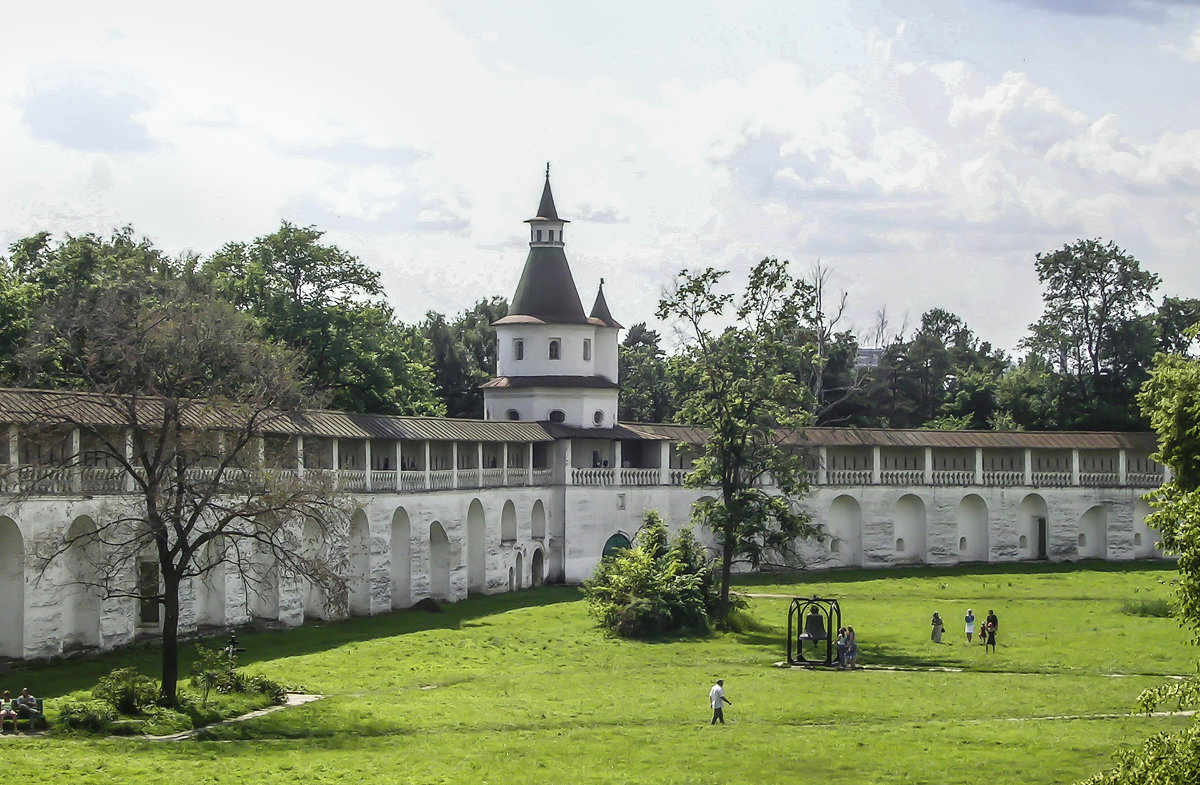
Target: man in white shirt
[(717, 696)]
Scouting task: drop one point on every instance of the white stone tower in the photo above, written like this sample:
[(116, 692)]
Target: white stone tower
[(553, 363)]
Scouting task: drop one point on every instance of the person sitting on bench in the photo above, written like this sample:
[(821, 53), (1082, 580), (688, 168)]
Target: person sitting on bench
[(27, 708), (8, 712)]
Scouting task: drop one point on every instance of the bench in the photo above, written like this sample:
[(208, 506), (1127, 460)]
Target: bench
[(23, 716)]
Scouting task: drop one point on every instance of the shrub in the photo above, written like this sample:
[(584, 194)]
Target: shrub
[(90, 715), (1160, 608), (126, 690), (658, 586)]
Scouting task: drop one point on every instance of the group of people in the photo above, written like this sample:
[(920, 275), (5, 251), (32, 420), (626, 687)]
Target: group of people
[(987, 637), (847, 648), (24, 707)]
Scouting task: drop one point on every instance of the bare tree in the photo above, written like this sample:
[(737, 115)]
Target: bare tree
[(183, 413)]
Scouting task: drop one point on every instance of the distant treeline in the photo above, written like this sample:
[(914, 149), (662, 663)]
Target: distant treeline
[(1080, 365)]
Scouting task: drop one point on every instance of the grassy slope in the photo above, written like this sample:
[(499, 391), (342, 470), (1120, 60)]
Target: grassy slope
[(522, 688)]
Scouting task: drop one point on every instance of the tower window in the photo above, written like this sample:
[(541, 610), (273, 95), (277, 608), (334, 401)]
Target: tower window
[(558, 415), (513, 414), (539, 235), (554, 344), (519, 349), (598, 417), (587, 348)]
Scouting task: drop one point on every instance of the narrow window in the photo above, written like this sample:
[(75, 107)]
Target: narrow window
[(587, 348), (539, 235), (519, 349), (553, 348), (148, 592), (900, 545)]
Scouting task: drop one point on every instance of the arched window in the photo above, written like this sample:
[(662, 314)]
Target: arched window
[(558, 415), (587, 348), (519, 349), (513, 414), (554, 343), (539, 235)]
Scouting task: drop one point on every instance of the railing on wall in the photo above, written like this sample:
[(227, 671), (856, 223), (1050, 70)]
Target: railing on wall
[(107, 480)]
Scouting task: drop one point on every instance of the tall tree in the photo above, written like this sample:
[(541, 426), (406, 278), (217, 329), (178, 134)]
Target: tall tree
[(179, 390), (1096, 330), (741, 386), (646, 392), (464, 354), (1171, 400), (323, 302)]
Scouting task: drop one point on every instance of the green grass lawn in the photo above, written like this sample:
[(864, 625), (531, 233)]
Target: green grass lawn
[(523, 689)]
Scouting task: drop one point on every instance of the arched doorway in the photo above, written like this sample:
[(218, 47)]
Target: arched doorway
[(81, 607), (1145, 539), (439, 562), (537, 521), (401, 560), (535, 569), (476, 547), (210, 585), (1091, 534), (313, 546), (1033, 528), (845, 531), (263, 582), (972, 519), (12, 590), (360, 564), (910, 530), (617, 542), (520, 571), (508, 522)]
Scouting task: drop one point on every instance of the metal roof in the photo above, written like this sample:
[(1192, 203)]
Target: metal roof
[(600, 314), (546, 289), (569, 382), (886, 437), (27, 406)]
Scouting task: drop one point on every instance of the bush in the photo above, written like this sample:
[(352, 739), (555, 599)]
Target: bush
[(1160, 608), (656, 587), (126, 690), (89, 715)]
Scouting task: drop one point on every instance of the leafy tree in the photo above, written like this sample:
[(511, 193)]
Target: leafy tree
[(1174, 317), (1096, 331), (646, 392), (1171, 400), (464, 354), (178, 391), (656, 587), (317, 299), (740, 384)]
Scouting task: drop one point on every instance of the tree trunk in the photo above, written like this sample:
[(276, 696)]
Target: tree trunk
[(726, 568), (170, 642)]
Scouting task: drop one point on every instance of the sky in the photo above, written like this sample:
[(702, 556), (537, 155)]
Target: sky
[(922, 152)]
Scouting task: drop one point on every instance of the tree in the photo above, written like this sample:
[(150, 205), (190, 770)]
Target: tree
[(180, 396), (1171, 400), (646, 394), (1096, 331), (318, 299), (658, 586), (464, 354), (740, 384)]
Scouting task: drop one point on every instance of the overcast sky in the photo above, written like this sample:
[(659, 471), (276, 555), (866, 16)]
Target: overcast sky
[(924, 151)]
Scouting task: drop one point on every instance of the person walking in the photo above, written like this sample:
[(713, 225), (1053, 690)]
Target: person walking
[(851, 648), (970, 620), (993, 624), (938, 628), (716, 696)]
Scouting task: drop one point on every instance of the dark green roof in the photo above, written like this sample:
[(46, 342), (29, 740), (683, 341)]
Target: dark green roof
[(546, 206), (547, 290), (600, 309)]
